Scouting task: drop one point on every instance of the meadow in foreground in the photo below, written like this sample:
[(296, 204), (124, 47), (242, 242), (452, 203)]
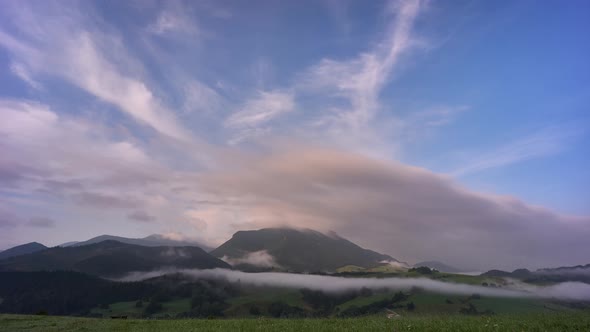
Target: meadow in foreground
[(549, 322)]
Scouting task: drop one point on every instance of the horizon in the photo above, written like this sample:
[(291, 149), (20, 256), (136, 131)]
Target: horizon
[(428, 131), (464, 270)]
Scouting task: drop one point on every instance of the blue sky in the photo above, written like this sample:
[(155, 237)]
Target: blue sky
[(195, 119)]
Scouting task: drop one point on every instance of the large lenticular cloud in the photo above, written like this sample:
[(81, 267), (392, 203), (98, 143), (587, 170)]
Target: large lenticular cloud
[(407, 212)]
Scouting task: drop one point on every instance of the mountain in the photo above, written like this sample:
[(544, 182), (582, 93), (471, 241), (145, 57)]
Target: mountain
[(63, 292), (580, 273), (68, 244), (518, 273), (23, 249), (154, 240), (295, 250), (578, 269), (442, 267), (112, 259)]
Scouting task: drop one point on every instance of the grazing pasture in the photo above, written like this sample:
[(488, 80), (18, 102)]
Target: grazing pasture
[(579, 321)]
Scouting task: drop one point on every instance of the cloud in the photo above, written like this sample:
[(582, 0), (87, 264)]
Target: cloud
[(253, 117), (396, 265), (23, 73), (266, 106), (413, 214), (257, 258), (173, 252), (566, 290), (359, 81), (419, 124), (103, 201), (71, 50), (140, 216), (66, 151), (201, 98), (56, 154), (42, 222), (8, 219), (545, 142), (173, 21)]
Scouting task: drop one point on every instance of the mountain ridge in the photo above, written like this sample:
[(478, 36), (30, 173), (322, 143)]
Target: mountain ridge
[(295, 250), (113, 259), (153, 240), (22, 249), (442, 267)]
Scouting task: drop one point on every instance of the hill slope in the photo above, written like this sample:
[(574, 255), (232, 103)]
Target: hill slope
[(580, 273), (154, 240), (112, 259), (23, 249), (295, 250), (442, 267)]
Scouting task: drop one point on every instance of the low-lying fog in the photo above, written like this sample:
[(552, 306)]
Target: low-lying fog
[(564, 290)]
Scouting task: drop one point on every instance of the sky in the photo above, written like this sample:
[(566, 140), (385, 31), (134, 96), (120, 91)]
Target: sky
[(427, 130)]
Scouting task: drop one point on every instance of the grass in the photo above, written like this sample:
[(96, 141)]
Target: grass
[(527, 322), (169, 308), (517, 305), (262, 297), (365, 300)]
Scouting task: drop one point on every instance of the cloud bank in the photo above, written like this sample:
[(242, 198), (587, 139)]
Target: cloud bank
[(566, 290), (257, 258), (412, 212)]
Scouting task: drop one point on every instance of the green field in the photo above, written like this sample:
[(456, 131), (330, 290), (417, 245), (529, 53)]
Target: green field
[(169, 309), (527, 322)]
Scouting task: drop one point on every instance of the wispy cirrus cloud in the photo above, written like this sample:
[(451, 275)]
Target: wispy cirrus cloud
[(170, 21), (74, 51), (545, 142), (360, 80), (260, 110), (23, 73)]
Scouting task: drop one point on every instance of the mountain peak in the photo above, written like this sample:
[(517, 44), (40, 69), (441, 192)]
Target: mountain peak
[(302, 250), (111, 258), (153, 240), (22, 249)]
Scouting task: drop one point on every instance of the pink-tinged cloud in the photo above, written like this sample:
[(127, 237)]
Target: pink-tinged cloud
[(407, 212)]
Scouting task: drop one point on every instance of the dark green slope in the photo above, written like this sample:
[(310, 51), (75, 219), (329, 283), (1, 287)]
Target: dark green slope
[(23, 249), (112, 259), (580, 273), (442, 267), (300, 250), (154, 240), (62, 293)]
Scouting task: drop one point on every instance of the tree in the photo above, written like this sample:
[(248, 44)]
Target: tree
[(366, 291), (423, 270), (152, 308), (254, 311), (410, 306)]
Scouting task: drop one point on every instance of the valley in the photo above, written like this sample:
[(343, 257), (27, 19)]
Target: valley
[(276, 273)]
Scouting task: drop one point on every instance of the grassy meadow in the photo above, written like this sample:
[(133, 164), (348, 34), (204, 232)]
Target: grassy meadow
[(579, 321)]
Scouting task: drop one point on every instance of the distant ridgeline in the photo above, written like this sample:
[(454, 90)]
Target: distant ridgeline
[(112, 259), (23, 249), (68, 280), (580, 273), (269, 249)]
